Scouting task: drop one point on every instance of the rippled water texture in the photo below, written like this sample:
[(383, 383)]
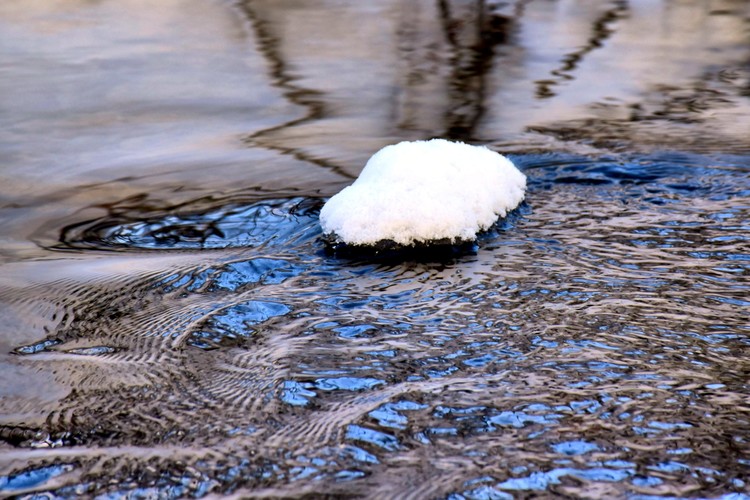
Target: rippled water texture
[(172, 326)]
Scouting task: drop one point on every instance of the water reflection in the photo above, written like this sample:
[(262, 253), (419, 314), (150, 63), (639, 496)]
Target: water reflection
[(586, 343), (173, 327)]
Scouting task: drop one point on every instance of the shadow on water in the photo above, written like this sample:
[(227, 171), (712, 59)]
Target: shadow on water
[(170, 339)]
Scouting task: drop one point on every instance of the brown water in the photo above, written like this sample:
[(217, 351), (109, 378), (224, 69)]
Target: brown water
[(172, 327)]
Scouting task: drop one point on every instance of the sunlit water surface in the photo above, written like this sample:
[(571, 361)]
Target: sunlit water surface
[(172, 325)]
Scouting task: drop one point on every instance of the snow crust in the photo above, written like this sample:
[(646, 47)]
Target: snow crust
[(424, 191)]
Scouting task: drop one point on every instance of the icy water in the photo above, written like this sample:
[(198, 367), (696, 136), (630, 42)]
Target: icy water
[(171, 325)]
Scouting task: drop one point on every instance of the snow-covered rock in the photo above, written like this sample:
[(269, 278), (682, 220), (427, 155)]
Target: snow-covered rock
[(422, 192)]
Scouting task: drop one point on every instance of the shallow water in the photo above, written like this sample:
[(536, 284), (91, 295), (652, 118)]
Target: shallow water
[(171, 323)]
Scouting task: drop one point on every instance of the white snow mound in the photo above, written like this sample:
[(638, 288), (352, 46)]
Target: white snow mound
[(422, 191)]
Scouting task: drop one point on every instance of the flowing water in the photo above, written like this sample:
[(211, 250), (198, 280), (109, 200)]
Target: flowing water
[(172, 325)]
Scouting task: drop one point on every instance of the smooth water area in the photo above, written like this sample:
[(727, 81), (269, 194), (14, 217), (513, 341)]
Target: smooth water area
[(172, 326)]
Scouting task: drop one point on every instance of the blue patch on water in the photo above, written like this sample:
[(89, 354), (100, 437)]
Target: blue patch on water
[(298, 473), (347, 383), (353, 331), (373, 437), (37, 347), (669, 425), (447, 411), (481, 493), (32, 477), (348, 475), (646, 481), (519, 419), (539, 481), (480, 361), (360, 455), (297, 393), (574, 447), (442, 431), (267, 271), (235, 322), (231, 277), (389, 414), (92, 351)]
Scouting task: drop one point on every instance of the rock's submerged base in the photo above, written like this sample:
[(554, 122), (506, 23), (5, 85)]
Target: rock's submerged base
[(434, 250)]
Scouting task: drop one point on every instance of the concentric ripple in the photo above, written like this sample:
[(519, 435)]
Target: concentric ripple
[(197, 225)]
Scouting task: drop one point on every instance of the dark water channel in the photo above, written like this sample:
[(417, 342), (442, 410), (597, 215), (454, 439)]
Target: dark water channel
[(171, 326)]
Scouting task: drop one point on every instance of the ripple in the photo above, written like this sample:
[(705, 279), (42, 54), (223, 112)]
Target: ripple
[(202, 224), (593, 341)]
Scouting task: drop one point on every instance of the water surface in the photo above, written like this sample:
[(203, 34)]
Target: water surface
[(171, 323)]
